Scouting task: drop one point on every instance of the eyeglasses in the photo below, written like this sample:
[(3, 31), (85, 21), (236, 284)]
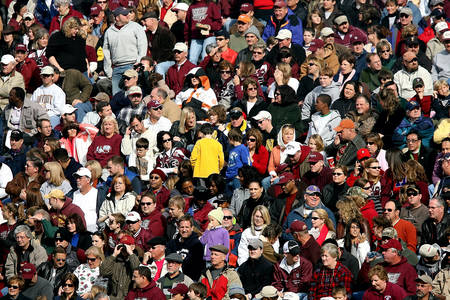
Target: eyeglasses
[(388, 209), (337, 174), (177, 51), (412, 60), (220, 39), (260, 121), (370, 143), (418, 86), (375, 168), (251, 89), (155, 177), (385, 51), (227, 217), (131, 222), (411, 141), (45, 75), (126, 78), (404, 16), (412, 193), (252, 140), (225, 72), (68, 284), (315, 218), (12, 286), (168, 140), (241, 23), (146, 203), (91, 258), (157, 108)]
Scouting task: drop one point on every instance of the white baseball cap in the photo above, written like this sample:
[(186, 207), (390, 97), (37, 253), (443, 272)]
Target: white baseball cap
[(292, 148), (7, 59), (263, 114), (180, 6), (284, 34), (82, 172), (440, 26), (68, 109), (180, 47)]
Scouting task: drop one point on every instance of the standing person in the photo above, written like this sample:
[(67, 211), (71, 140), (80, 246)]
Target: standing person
[(85, 197), (120, 56)]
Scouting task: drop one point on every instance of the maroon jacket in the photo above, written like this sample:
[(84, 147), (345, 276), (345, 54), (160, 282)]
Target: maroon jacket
[(58, 217), (201, 215), (154, 223), (392, 291), (31, 74), (142, 238), (103, 148), (162, 197), (175, 77), (151, 291), (202, 12), (56, 24), (297, 281)]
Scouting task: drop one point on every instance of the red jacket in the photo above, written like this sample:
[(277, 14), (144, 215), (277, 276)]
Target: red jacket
[(392, 292), (368, 212), (57, 25), (154, 223), (162, 197), (425, 104), (175, 77), (260, 160), (297, 280), (202, 12), (402, 274), (103, 148), (142, 238), (31, 74), (201, 215), (151, 291), (58, 217)]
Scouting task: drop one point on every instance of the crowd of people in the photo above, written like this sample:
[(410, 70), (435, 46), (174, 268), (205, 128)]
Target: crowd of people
[(229, 149)]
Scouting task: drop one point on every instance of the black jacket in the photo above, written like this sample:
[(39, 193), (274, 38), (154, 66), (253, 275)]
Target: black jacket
[(432, 233), (255, 274), (332, 193), (245, 215), (20, 297), (45, 270), (161, 44), (69, 52), (260, 105), (298, 54), (386, 125), (426, 158)]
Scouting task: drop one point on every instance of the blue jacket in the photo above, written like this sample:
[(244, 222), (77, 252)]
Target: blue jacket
[(291, 22), (424, 126), (298, 214), (15, 160), (238, 157), (43, 14)]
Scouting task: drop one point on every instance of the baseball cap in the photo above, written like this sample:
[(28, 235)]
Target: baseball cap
[(345, 124), (83, 172), (316, 44), (326, 31), (285, 178), (68, 109), (312, 189), (362, 154), (290, 296), (158, 240), (180, 289), (8, 58), (134, 90), (280, 3), (95, 10), (63, 234), (315, 157), (235, 113), (436, 2), (389, 232), (28, 15), (104, 97), (292, 147), (175, 257), (412, 40), (291, 247), (425, 279), (427, 250), (47, 70), (150, 15), (153, 104), (219, 248), (222, 32), (120, 11), (356, 191), (180, 47), (55, 194), (21, 47), (180, 6), (406, 11), (267, 292), (446, 36), (27, 270), (297, 226), (440, 26), (133, 216), (357, 38), (130, 73), (246, 7), (244, 18), (412, 105), (263, 114), (16, 135), (284, 34), (236, 290), (255, 244), (392, 243), (341, 19), (418, 81), (127, 240)]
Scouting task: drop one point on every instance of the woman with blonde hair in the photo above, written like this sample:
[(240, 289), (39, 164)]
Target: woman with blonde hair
[(384, 50), (347, 211), (89, 273), (322, 226), (55, 179), (107, 143), (184, 132), (441, 100), (66, 48), (50, 145), (96, 171), (311, 79), (283, 76)]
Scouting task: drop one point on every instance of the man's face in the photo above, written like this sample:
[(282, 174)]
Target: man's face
[(262, 124), (135, 99), (113, 168), (295, 158), (328, 4), (217, 258), (412, 142), (362, 106), (134, 226), (312, 200), (30, 169), (251, 39), (236, 123), (173, 267), (47, 79), (221, 41), (375, 63), (413, 48), (179, 56), (147, 205), (8, 68), (129, 81), (435, 210), (284, 43), (157, 251), (447, 45), (156, 113), (280, 13), (69, 118), (20, 56), (325, 80), (390, 255), (138, 279), (346, 134), (423, 289), (288, 187), (16, 144), (343, 28), (413, 197), (316, 167), (410, 62), (61, 243), (242, 26), (227, 219), (45, 129), (106, 111), (405, 19), (185, 228), (22, 240), (137, 126), (389, 211), (59, 260), (358, 47), (151, 24), (255, 253), (445, 147), (82, 181), (175, 211)]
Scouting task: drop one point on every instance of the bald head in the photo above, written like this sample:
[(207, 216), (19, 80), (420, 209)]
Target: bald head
[(410, 61)]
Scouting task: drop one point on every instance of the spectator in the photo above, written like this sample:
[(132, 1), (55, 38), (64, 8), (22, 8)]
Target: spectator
[(440, 69), (154, 257), (86, 198), (107, 144), (10, 78), (152, 219), (174, 275), (405, 229), (316, 126), (177, 72), (16, 285), (156, 122), (145, 286), (282, 15), (15, 158), (120, 200), (35, 285), (434, 228), (62, 208), (27, 67), (382, 287), (170, 109), (76, 139), (363, 116)]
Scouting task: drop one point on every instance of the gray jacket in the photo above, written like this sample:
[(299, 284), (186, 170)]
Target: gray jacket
[(348, 158), (41, 288), (126, 45), (38, 255), (310, 100), (31, 114)]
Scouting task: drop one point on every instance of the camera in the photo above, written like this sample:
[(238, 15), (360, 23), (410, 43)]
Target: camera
[(138, 67), (120, 247)]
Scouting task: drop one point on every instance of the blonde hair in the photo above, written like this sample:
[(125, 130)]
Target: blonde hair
[(56, 173), (185, 114), (286, 69), (319, 142), (439, 84), (348, 210), (96, 251), (322, 213), (265, 215), (70, 23), (95, 167), (109, 119), (408, 30), (319, 62)]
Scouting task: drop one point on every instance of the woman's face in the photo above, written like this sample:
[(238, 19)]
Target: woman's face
[(255, 190), (43, 42), (155, 181), (374, 169), (190, 120), (443, 90), (316, 19), (346, 67), (307, 37), (287, 59), (371, 36), (327, 260), (372, 147), (258, 219), (225, 74), (349, 91), (74, 31), (28, 24), (338, 176), (213, 188), (72, 132), (47, 174), (68, 287), (30, 34), (8, 38), (312, 67), (97, 242), (391, 8), (195, 81), (71, 227), (288, 135), (251, 142), (385, 53), (119, 186), (252, 91), (312, 144), (108, 127), (47, 148), (355, 231), (167, 142), (5, 213), (258, 54), (277, 97), (13, 289), (62, 9), (213, 119), (93, 261), (23, 10), (316, 221)]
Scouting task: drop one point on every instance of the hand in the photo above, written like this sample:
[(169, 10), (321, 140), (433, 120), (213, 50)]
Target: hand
[(129, 250), (236, 80), (337, 139), (86, 295), (128, 132), (23, 195), (214, 51), (273, 179), (117, 250), (61, 69), (76, 101), (176, 138), (147, 256), (37, 217), (420, 94), (278, 75), (60, 291)]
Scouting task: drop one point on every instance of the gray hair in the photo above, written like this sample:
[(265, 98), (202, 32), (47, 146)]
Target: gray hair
[(260, 45), (101, 296), (25, 229), (227, 209), (44, 213), (440, 201), (62, 2), (210, 47), (331, 249), (162, 93)]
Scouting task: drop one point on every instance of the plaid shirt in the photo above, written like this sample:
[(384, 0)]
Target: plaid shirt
[(126, 112), (325, 279)]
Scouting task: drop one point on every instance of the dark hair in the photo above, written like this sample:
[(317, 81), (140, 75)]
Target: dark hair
[(70, 276), (248, 172), (206, 129), (36, 161), (100, 105), (187, 218), (235, 135), (325, 99), (272, 231), (383, 73), (59, 250), (218, 180), (398, 205), (414, 131), (20, 92), (137, 117), (348, 57), (199, 289), (159, 140), (381, 221), (142, 143), (78, 221), (145, 272), (117, 160), (285, 52), (355, 87), (67, 127), (61, 155), (348, 237)]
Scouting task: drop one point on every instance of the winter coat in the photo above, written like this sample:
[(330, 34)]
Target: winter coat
[(161, 44), (347, 158), (79, 145), (15, 79), (218, 288), (297, 280), (244, 216), (290, 22), (37, 255), (332, 193), (58, 22), (432, 233), (286, 112), (404, 81), (124, 205), (392, 291), (212, 237), (386, 125), (363, 123), (45, 270), (352, 31), (255, 274), (325, 130), (441, 283), (423, 125), (175, 76), (333, 90), (59, 217)]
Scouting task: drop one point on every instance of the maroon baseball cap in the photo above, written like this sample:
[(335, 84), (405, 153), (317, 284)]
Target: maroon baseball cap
[(180, 289), (27, 270), (285, 178), (316, 44), (280, 3), (95, 10), (315, 157), (246, 7), (392, 243), (127, 240), (21, 47), (153, 104), (297, 226), (357, 38)]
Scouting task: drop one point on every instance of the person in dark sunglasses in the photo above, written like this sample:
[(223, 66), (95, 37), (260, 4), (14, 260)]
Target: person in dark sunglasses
[(15, 287), (405, 229), (69, 288), (54, 269)]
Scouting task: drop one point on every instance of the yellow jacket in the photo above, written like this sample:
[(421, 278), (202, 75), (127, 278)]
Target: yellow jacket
[(207, 157)]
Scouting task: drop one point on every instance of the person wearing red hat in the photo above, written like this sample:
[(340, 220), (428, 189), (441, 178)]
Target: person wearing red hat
[(362, 155), (35, 286), (145, 287), (319, 174), (162, 194)]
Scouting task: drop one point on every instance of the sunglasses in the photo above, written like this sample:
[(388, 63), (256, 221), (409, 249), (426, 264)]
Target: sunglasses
[(418, 86), (412, 60), (61, 259), (177, 51), (220, 39), (227, 217), (251, 89), (131, 222), (257, 52), (126, 78), (404, 16), (314, 194), (375, 168), (388, 209), (385, 51), (311, 64), (155, 177), (252, 140), (412, 193), (68, 284), (225, 72), (337, 174), (27, 19), (12, 286), (260, 121), (157, 108), (241, 23), (315, 218), (46, 75), (91, 258), (370, 143), (277, 94), (168, 140), (146, 203)]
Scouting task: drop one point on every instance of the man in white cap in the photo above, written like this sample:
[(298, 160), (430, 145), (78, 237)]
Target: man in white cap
[(264, 121), (176, 73), (285, 39), (344, 31), (441, 67), (10, 78), (268, 292), (86, 198), (136, 107), (50, 96), (436, 45), (124, 54), (297, 158), (177, 28)]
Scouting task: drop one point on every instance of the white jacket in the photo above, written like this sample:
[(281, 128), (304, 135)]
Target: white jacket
[(207, 97), (324, 126), (81, 143), (404, 81), (246, 236), (6, 176), (360, 251), (124, 205)]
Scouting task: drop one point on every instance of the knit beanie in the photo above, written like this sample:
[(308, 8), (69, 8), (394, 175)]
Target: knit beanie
[(217, 214), (254, 30), (160, 173)]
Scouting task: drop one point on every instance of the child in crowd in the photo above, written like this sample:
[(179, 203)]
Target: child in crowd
[(215, 234), (339, 293), (238, 157), (115, 224), (142, 160), (197, 291)]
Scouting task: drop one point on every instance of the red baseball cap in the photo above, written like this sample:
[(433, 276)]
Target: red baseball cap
[(127, 240), (316, 44), (27, 270), (392, 243), (362, 153)]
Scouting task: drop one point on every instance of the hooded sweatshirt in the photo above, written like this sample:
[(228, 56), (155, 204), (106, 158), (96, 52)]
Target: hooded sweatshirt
[(333, 90)]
